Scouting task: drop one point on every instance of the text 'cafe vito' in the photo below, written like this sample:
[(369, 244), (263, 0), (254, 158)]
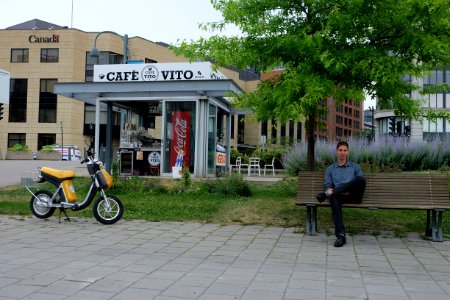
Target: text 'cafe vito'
[(174, 117)]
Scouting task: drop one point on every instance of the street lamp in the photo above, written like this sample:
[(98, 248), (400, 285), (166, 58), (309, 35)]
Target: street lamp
[(96, 53)]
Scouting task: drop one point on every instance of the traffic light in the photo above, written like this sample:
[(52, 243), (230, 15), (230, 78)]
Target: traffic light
[(1, 111), (392, 125)]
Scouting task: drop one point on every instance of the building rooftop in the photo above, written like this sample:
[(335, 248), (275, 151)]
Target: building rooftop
[(36, 24)]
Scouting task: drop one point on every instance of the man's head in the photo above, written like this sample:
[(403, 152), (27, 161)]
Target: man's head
[(342, 151)]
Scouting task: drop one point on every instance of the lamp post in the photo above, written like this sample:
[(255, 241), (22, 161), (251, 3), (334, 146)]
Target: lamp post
[(62, 140), (372, 110), (96, 53)]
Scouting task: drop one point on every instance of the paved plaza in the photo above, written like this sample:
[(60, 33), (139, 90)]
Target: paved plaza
[(82, 259)]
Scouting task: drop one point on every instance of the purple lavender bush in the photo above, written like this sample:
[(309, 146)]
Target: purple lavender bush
[(387, 154)]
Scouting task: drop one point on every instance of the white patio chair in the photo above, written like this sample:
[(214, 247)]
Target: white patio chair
[(272, 165), (254, 163), (238, 165)]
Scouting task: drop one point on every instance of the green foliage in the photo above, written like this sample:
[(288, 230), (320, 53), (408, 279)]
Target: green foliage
[(115, 171), (19, 147), (329, 48), (48, 148), (186, 178), (233, 184)]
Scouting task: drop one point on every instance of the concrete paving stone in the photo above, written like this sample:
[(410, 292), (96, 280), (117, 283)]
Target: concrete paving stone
[(152, 283), (160, 274), (422, 287), (301, 294), (4, 267), (273, 277), (261, 295), (18, 290), (108, 285), (235, 279), (21, 273), (136, 294), (198, 271), (191, 280), (41, 279), (345, 292), (126, 276), (5, 281), (278, 287), (386, 297), (350, 282), (91, 295), (307, 284), (309, 275), (387, 290), (210, 296), (41, 296), (183, 291), (231, 289), (429, 296)]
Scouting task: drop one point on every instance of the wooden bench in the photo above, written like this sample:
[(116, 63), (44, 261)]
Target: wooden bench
[(415, 191)]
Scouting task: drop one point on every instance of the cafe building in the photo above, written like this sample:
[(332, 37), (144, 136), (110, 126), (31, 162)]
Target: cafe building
[(173, 117)]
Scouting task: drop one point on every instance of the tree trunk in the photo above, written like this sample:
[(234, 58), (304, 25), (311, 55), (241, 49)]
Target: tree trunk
[(310, 126)]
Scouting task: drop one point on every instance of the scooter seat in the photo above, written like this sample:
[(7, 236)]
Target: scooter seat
[(59, 174)]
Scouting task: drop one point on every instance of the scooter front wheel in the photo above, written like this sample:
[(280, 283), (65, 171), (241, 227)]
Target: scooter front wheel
[(109, 210), (39, 202)]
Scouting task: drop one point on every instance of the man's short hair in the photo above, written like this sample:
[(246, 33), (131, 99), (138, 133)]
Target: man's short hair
[(342, 143)]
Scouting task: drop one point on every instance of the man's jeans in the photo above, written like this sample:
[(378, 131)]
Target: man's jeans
[(355, 190)]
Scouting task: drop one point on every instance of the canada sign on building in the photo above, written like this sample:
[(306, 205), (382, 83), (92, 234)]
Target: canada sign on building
[(156, 72)]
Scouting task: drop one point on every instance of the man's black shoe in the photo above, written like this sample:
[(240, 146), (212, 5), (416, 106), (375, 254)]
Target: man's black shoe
[(340, 241), (321, 197)]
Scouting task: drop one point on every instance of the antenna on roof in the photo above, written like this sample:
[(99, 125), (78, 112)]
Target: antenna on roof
[(71, 17)]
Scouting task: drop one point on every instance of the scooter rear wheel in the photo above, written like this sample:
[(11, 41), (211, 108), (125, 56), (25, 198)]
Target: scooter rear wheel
[(108, 212), (38, 202)]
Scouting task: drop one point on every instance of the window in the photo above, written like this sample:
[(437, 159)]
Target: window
[(150, 61), (291, 131), (50, 55), (18, 100), (47, 101), (264, 128), (274, 131), (45, 139), (19, 55), (16, 138), (106, 58), (232, 126), (241, 129), (338, 131), (299, 132)]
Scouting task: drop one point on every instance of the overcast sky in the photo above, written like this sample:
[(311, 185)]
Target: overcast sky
[(156, 20)]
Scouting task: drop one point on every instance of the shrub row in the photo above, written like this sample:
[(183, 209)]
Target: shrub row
[(384, 155)]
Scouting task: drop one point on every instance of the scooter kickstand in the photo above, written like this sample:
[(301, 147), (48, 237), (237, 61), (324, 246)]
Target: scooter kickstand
[(61, 209)]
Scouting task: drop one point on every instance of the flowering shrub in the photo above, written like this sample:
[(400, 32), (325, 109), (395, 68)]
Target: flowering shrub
[(384, 155)]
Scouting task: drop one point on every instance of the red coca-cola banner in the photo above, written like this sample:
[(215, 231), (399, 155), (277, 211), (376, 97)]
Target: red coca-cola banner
[(181, 139)]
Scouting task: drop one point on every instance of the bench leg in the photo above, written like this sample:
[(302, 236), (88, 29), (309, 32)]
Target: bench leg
[(311, 220), (436, 233), (427, 226)]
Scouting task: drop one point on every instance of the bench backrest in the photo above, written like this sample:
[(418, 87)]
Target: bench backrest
[(386, 190)]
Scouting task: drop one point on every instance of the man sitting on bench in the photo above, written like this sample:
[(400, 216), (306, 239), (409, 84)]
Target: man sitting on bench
[(344, 183)]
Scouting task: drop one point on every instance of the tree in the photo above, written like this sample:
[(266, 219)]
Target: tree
[(328, 48)]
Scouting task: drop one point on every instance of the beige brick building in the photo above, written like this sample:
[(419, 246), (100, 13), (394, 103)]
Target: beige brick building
[(38, 54)]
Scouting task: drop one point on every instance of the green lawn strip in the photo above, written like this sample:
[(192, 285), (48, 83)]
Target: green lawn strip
[(269, 205)]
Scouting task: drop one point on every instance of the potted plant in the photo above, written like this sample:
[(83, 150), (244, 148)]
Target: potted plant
[(48, 152), (19, 152)]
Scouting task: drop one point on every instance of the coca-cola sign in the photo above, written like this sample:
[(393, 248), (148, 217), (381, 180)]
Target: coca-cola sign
[(181, 139)]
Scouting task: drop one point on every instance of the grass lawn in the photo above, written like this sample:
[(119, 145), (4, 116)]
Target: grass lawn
[(169, 200)]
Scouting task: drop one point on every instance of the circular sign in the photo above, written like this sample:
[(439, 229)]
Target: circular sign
[(154, 159), (150, 73)]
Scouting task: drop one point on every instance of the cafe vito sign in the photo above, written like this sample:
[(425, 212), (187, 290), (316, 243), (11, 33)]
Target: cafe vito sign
[(156, 72)]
